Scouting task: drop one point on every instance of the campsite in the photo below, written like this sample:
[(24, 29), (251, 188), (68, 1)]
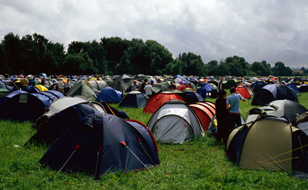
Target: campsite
[(196, 161)]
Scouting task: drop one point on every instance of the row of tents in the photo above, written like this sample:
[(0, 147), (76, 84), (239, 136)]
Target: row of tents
[(65, 123)]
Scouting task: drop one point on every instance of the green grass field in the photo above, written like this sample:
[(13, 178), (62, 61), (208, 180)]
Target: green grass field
[(198, 164)]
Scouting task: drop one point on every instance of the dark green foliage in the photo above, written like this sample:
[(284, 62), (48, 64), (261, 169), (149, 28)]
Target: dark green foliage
[(35, 54)]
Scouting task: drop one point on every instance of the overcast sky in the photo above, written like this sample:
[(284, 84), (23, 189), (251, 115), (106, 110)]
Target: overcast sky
[(271, 30)]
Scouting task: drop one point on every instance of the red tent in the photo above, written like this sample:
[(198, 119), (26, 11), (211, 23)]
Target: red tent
[(204, 112), (243, 92), (158, 100)]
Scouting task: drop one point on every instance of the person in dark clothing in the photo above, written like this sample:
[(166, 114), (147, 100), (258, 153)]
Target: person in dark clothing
[(222, 116)]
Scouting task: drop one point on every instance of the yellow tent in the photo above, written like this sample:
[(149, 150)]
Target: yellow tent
[(41, 87)]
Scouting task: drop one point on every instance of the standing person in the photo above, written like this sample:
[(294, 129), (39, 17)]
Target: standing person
[(233, 105), (221, 85), (222, 116), (148, 89)]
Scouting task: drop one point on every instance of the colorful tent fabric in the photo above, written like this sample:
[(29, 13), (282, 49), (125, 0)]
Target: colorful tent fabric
[(158, 100)]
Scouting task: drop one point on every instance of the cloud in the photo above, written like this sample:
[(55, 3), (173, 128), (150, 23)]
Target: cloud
[(215, 29)]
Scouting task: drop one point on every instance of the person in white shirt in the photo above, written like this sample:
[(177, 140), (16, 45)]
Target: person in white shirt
[(148, 90)]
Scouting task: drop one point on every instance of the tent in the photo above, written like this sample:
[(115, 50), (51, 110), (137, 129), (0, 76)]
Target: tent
[(82, 88), (205, 114), (160, 87), (301, 122), (268, 143), (110, 95), (98, 84), (205, 89), (175, 122), (193, 96), (257, 85), (62, 113), (21, 105), (122, 83), (243, 92), (293, 87), (273, 92), (279, 108), (133, 99), (158, 100), (99, 144)]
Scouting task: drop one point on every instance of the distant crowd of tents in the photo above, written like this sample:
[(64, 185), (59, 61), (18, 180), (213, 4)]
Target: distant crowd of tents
[(84, 133)]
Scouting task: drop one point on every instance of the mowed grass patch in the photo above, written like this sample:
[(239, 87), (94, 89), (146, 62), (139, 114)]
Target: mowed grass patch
[(197, 164)]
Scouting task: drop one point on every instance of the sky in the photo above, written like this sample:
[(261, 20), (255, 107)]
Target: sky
[(270, 30)]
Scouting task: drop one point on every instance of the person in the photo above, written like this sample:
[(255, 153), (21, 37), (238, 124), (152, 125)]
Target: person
[(148, 89), (221, 85), (222, 116), (233, 105)]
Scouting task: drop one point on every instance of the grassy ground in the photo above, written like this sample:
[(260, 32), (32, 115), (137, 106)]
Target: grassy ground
[(199, 164)]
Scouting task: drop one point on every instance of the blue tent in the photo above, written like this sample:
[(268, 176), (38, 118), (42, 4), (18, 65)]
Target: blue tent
[(51, 126), (293, 87), (273, 92), (21, 105), (257, 85), (102, 143), (133, 99), (110, 95), (193, 96), (205, 88)]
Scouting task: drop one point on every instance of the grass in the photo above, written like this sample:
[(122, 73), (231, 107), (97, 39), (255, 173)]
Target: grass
[(198, 164)]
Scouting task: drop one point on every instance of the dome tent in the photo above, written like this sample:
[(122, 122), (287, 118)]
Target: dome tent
[(158, 100), (21, 105), (101, 143), (133, 99), (110, 95), (273, 92), (175, 122), (268, 143), (62, 113)]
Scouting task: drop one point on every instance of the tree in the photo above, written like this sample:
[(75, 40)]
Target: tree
[(281, 70)]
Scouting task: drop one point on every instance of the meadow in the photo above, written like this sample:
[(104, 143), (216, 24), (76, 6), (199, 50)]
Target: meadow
[(198, 164)]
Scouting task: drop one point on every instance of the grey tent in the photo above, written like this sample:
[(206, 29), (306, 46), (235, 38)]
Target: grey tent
[(83, 89), (122, 83), (175, 122)]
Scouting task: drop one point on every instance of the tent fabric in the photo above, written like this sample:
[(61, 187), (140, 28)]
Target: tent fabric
[(257, 85), (114, 146), (50, 128), (204, 114), (243, 92), (133, 99), (301, 122), (279, 108), (293, 87), (160, 87), (98, 84), (80, 88), (193, 96), (205, 89), (273, 92), (268, 143), (21, 105), (122, 83), (158, 100), (109, 95), (175, 122)]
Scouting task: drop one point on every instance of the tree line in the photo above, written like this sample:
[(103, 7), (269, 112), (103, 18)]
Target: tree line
[(33, 54)]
